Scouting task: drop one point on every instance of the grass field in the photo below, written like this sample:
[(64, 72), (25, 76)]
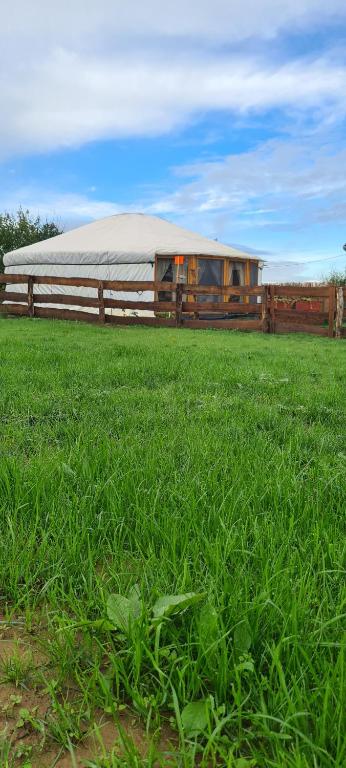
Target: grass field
[(152, 462)]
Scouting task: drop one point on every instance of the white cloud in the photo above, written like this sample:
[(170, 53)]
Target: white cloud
[(79, 71), (279, 181), (78, 98), (82, 23), (69, 209)]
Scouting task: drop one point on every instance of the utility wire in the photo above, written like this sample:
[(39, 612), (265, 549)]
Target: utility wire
[(302, 263)]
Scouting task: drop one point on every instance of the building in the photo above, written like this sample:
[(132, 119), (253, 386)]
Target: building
[(134, 247)]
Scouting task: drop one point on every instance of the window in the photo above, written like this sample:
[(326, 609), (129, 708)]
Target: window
[(253, 274), (205, 270), (253, 280), (167, 272), (210, 272), (237, 273), (236, 278)]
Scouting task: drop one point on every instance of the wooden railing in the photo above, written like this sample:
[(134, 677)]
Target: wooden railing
[(268, 308), (341, 312)]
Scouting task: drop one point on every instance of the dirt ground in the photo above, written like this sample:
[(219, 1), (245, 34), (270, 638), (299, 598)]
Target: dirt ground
[(26, 739)]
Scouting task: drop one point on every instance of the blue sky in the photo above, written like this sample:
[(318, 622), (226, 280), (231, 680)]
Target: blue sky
[(227, 117)]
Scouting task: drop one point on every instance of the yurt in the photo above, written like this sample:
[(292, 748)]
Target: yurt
[(133, 247)]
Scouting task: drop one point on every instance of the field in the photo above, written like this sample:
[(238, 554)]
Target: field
[(152, 462)]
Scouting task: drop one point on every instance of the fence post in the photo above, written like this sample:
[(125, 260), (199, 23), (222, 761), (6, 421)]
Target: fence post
[(179, 305), (31, 308), (331, 311), (265, 320), (102, 316), (339, 317), (271, 290)]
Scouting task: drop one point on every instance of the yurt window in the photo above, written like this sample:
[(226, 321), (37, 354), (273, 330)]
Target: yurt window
[(237, 278), (253, 280), (166, 272), (253, 274), (210, 272), (237, 273)]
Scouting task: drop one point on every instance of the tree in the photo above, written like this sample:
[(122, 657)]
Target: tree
[(20, 229), (336, 277)]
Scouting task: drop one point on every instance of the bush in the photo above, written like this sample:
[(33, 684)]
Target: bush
[(20, 229), (336, 277)]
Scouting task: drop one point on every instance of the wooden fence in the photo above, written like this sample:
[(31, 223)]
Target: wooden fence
[(268, 308)]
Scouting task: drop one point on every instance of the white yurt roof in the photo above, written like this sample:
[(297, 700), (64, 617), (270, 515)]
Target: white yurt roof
[(126, 238)]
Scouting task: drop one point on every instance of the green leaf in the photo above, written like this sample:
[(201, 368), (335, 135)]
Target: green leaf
[(67, 470), (169, 605), (134, 593), (208, 630), (208, 626), (123, 611), (194, 717), (103, 625), (243, 637), (24, 713), (246, 666), (14, 699)]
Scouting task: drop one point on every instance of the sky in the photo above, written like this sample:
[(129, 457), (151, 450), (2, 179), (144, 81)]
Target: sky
[(224, 116)]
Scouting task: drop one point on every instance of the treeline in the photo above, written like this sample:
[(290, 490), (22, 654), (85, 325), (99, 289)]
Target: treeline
[(22, 228)]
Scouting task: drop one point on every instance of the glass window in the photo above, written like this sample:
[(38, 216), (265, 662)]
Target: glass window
[(209, 272), (253, 280), (164, 272), (253, 274), (236, 278), (237, 273), (167, 272)]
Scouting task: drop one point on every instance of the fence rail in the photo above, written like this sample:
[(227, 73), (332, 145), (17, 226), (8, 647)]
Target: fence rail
[(268, 308)]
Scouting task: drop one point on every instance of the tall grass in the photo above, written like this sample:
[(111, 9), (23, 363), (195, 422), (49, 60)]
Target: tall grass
[(185, 461)]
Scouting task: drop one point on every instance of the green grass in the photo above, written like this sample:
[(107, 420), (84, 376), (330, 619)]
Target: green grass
[(184, 461)]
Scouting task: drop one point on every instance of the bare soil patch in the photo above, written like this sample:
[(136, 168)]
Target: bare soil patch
[(26, 711)]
